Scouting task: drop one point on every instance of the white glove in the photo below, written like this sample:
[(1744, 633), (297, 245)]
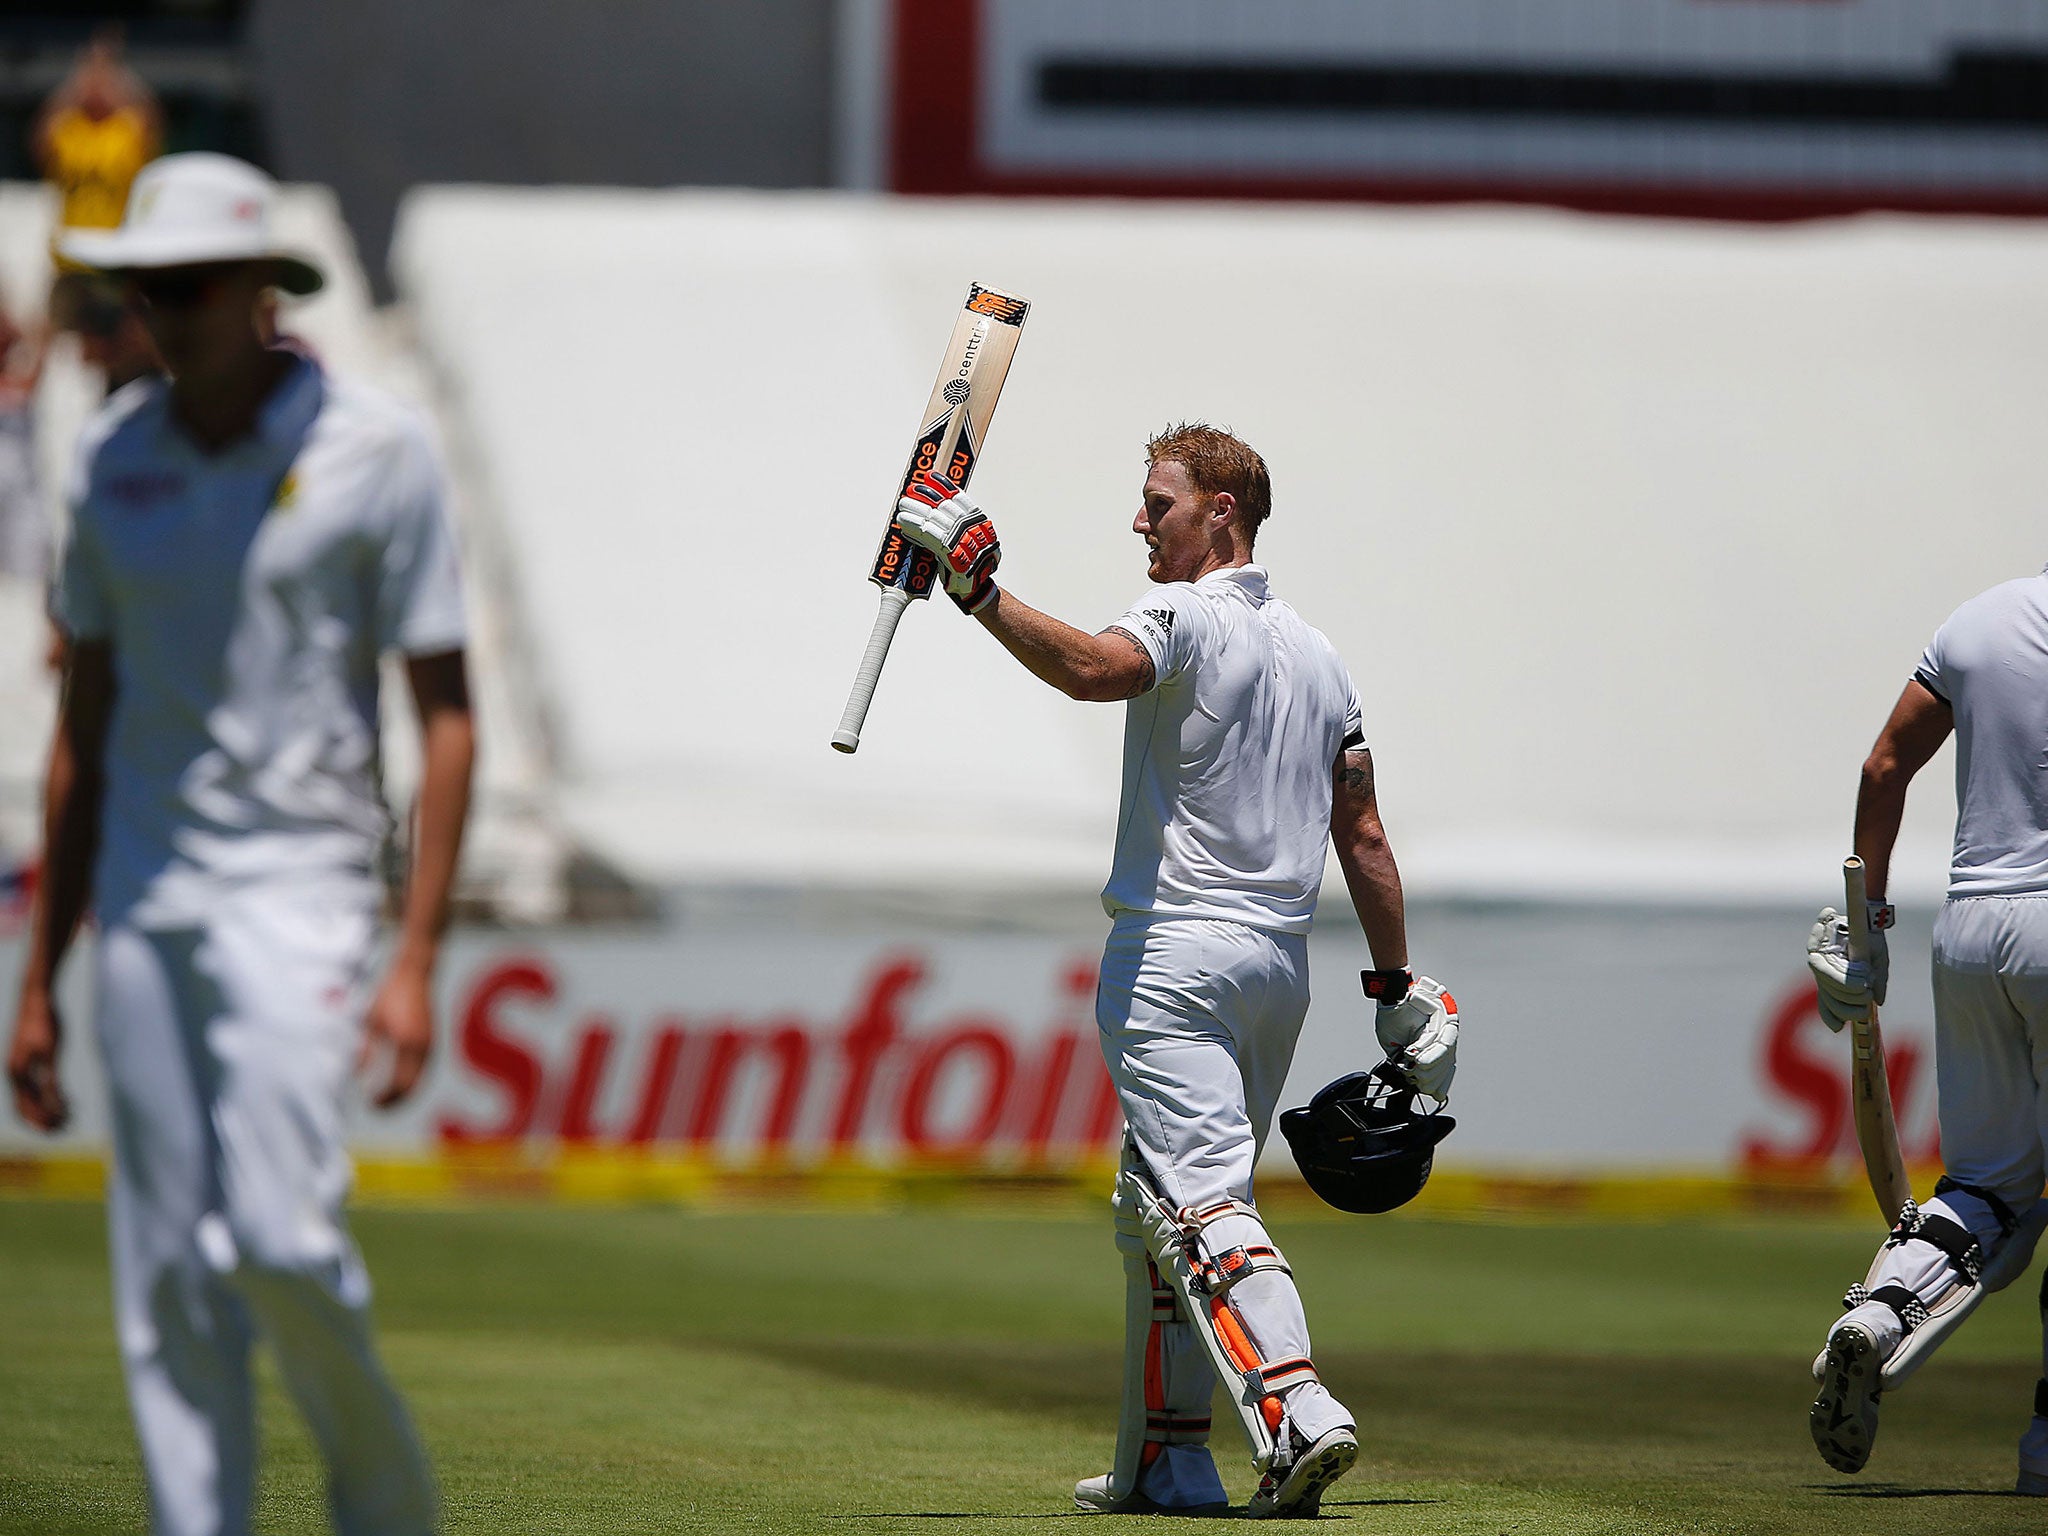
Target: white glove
[(1420, 1036), (937, 515), (1848, 987)]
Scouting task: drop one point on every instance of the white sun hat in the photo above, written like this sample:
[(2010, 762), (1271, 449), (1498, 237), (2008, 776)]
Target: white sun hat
[(192, 208)]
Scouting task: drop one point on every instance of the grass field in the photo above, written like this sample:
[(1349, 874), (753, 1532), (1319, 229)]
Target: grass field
[(651, 1370)]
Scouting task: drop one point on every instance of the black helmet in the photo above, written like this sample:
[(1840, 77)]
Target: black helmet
[(1361, 1143)]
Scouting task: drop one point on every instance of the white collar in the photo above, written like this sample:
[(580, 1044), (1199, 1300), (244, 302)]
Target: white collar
[(1250, 578)]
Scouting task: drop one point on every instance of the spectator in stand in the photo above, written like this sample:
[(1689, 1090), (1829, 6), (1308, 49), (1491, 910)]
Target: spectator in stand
[(99, 128)]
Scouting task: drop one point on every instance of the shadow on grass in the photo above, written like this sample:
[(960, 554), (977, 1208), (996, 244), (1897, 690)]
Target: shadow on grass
[(1487, 1417), (1064, 1380), (974, 1514), (1232, 1513), (1894, 1491)]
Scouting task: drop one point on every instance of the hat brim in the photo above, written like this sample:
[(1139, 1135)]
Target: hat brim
[(120, 251)]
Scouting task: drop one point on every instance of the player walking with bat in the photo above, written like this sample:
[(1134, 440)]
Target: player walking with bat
[(1984, 677), (1243, 756)]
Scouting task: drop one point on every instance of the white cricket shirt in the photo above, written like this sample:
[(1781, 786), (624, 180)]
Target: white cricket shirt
[(247, 596), (1989, 661), (1229, 758)]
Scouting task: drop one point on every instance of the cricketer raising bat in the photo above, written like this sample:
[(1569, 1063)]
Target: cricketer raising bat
[(1870, 1090), (955, 424)]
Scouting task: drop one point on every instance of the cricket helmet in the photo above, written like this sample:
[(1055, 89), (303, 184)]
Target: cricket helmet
[(1362, 1144)]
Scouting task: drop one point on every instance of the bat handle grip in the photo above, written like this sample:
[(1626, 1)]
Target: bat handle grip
[(1858, 914), (847, 737)]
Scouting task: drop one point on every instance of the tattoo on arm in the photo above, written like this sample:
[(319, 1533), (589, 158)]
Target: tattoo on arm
[(1354, 772), (1145, 670)]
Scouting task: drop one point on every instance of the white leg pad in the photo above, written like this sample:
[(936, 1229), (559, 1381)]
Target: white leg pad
[(1163, 1426), (1202, 1273), (1134, 1410), (1934, 1270), (2008, 1261)]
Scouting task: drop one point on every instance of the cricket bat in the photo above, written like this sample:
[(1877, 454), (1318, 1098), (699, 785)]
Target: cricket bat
[(1870, 1090), (955, 424)]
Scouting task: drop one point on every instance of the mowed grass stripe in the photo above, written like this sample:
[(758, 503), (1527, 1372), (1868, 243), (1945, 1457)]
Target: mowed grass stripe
[(662, 1370)]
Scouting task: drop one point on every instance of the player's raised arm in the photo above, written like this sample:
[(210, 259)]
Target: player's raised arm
[(936, 514), (1099, 668)]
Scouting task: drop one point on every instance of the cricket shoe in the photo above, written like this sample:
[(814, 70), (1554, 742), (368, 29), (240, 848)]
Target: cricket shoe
[(1844, 1417), (1092, 1496), (2033, 1479), (1295, 1491)]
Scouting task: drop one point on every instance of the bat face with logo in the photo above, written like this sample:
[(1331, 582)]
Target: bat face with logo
[(954, 427)]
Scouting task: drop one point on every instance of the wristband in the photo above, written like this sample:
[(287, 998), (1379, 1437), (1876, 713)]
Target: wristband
[(978, 599), (1882, 914), (1388, 988)]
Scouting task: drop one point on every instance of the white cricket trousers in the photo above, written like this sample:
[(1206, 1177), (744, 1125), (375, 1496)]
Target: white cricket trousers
[(1198, 1021), (1991, 1042), (1991, 1072), (227, 1049)]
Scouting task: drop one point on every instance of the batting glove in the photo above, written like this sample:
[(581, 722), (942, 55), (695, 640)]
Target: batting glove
[(936, 514), (1417, 1022), (1848, 988)]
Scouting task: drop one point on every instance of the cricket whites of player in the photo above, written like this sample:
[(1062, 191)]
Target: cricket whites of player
[(1244, 755)]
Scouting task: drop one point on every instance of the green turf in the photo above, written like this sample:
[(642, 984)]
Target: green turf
[(654, 1370)]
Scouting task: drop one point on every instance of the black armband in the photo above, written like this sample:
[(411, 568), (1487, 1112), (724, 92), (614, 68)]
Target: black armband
[(1387, 988)]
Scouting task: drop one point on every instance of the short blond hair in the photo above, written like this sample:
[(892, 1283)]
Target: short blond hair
[(1216, 461)]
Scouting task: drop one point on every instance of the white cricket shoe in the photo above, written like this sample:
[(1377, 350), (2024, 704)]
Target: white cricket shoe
[(1092, 1496), (1295, 1491), (2033, 1479), (1844, 1417)]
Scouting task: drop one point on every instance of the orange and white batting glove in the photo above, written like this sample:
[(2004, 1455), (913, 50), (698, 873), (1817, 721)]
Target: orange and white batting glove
[(1417, 1024), (936, 514)]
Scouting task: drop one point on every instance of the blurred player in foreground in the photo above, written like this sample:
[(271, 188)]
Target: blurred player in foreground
[(1243, 756), (1985, 677), (246, 539)]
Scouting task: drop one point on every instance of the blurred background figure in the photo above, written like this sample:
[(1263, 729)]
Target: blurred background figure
[(97, 130)]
